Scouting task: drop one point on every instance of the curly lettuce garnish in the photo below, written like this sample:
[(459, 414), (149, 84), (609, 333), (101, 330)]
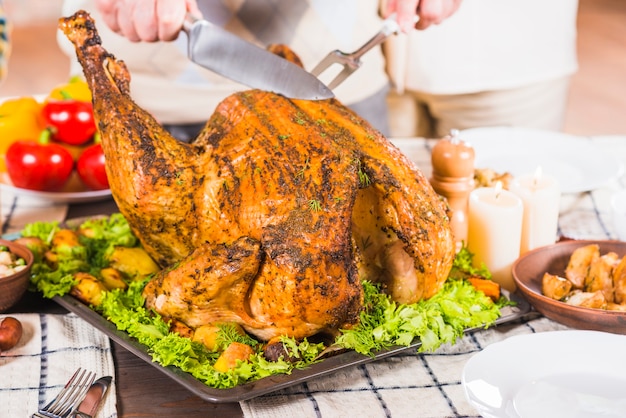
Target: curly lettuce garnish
[(463, 266), (383, 322), (438, 320)]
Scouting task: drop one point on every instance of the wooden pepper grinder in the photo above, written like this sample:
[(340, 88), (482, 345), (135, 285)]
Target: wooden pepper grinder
[(453, 178)]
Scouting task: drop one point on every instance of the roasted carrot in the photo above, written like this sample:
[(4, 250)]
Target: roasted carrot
[(488, 287)]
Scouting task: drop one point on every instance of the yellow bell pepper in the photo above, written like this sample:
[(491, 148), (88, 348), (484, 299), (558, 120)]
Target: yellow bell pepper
[(20, 118), (76, 89)]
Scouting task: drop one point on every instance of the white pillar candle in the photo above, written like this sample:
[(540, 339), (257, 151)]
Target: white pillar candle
[(494, 231), (541, 196)]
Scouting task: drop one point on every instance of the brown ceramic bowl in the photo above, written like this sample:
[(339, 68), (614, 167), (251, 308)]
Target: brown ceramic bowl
[(528, 272), (12, 287)]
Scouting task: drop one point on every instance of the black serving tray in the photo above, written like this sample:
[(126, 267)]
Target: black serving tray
[(269, 384)]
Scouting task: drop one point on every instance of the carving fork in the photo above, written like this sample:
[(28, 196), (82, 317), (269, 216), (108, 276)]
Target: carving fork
[(352, 61)]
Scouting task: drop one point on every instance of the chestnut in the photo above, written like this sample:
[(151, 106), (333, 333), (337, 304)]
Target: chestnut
[(10, 333)]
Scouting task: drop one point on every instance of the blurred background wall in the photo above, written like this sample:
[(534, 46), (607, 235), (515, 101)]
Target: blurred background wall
[(29, 11)]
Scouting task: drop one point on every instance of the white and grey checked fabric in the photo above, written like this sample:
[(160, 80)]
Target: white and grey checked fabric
[(52, 347), (407, 385), (18, 210)]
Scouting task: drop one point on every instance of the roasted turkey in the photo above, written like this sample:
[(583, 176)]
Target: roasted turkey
[(274, 215)]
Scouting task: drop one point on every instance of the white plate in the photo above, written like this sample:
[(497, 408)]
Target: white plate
[(569, 374), (73, 192), (577, 164)]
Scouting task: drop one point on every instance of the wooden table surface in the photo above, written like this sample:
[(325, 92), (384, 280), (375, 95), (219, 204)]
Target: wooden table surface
[(142, 390)]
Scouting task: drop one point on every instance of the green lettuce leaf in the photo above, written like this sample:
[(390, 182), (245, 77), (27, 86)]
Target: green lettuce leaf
[(438, 320), (383, 322)]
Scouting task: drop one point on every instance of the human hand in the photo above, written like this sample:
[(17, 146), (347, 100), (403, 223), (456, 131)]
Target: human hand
[(146, 20), (429, 12)]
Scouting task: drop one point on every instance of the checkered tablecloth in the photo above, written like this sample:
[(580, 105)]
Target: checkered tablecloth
[(429, 385), (52, 347), (19, 211)]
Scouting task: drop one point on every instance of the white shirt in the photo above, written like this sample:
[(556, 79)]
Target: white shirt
[(175, 90), (488, 45)]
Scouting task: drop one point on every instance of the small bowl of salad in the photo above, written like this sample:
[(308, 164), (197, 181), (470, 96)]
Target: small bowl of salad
[(16, 261)]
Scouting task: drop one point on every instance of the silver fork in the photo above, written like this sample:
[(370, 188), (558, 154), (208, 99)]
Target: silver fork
[(72, 394), (352, 61)]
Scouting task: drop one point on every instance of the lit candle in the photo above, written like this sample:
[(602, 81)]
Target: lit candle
[(494, 231), (541, 196)]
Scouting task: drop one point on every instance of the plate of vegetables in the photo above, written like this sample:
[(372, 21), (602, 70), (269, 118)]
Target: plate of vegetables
[(97, 269), (50, 147)]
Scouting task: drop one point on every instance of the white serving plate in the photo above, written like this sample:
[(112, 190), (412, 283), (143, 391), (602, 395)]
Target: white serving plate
[(558, 374), (574, 161), (73, 192)]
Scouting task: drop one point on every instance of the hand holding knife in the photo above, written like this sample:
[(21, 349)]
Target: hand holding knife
[(212, 47)]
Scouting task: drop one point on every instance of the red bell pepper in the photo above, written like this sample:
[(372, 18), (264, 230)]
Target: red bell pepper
[(71, 121), (91, 167), (39, 165)]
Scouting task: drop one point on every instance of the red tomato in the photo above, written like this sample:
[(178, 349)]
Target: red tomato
[(91, 168), (38, 166), (71, 121)]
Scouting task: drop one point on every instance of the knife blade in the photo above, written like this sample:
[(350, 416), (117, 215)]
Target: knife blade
[(95, 395), (218, 50)]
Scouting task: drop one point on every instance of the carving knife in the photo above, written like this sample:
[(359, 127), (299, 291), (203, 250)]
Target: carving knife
[(95, 395), (218, 50)]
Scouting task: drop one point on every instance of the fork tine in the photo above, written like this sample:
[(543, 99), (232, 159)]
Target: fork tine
[(75, 394), (326, 62), (72, 393), (351, 61), (339, 78), (81, 393), (62, 393), (347, 62)]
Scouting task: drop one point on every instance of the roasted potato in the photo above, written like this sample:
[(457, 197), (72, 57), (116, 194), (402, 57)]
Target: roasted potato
[(88, 289), (65, 238), (52, 259), (112, 278), (616, 307), (619, 282), (36, 245), (600, 275), (180, 328), (234, 352), (10, 333), (579, 262), (591, 280), (555, 287), (594, 300), (209, 334), (133, 262), (64, 242), (487, 177)]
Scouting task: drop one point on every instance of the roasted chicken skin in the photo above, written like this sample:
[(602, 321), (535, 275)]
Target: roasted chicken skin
[(274, 214)]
